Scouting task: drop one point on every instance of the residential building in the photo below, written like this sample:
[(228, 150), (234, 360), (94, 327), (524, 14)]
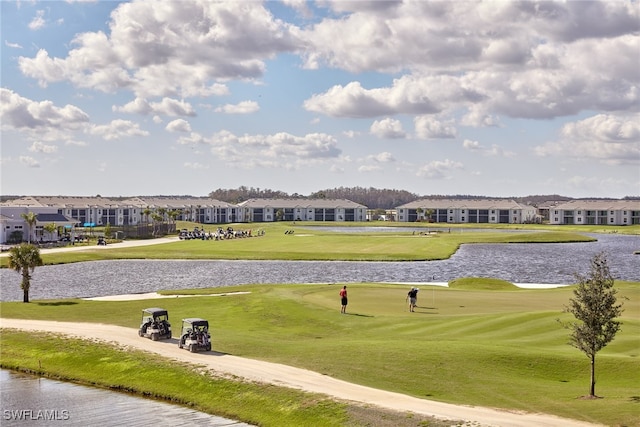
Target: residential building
[(596, 212), (467, 211), (268, 210)]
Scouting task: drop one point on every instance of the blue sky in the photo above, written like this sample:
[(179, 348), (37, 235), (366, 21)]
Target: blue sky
[(183, 97)]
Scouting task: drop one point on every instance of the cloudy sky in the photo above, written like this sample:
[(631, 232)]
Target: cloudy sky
[(490, 98)]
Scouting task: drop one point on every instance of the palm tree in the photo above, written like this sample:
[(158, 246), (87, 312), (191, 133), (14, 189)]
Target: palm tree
[(157, 218), (24, 258), (429, 213), (50, 228), (146, 213), (31, 218)]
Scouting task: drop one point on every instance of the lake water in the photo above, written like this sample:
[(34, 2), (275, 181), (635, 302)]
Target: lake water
[(32, 401), (546, 263)]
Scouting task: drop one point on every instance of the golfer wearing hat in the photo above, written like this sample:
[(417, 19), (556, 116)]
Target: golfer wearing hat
[(412, 296)]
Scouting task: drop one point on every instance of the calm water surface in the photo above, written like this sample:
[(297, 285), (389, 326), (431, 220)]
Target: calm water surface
[(32, 401), (519, 263)]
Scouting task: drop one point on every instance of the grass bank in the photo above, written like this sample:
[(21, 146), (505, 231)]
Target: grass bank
[(491, 344)]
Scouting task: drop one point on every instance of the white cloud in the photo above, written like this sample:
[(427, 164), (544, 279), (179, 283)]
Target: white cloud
[(387, 128), (369, 168), (280, 150), (178, 125), (428, 127), (612, 139), (29, 162), (244, 107), (166, 107), (439, 169), (158, 49), (495, 150), (39, 147), (384, 157), (38, 21), (17, 112), (472, 145), (534, 65), (118, 129), (12, 45)]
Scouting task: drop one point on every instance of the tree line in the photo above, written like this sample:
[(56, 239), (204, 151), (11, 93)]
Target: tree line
[(373, 198)]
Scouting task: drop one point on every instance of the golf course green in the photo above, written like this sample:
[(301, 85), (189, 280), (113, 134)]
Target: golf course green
[(477, 342)]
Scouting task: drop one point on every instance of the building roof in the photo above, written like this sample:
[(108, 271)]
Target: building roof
[(54, 218), (301, 203), (61, 201), (600, 205), (464, 204), (174, 202)]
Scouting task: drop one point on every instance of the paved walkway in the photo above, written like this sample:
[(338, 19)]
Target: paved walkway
[(123, 244)]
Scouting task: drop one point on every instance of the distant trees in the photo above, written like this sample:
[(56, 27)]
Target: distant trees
[(242, 194), (23, 259), (595, 306)]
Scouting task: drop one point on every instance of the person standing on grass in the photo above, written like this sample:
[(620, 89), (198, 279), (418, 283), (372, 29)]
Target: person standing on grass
[(343, 298), (412, 296)]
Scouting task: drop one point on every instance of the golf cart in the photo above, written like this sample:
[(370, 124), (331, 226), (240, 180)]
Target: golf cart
[(195, 335), (155, 324)]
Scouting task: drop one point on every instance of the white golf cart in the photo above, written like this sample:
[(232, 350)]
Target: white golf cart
[(155, 324), (195, 335)]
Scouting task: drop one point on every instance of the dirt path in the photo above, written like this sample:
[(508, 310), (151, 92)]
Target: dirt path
[(301, 379)]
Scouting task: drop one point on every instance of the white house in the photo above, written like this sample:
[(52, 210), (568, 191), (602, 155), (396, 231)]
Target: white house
[(12, 222)]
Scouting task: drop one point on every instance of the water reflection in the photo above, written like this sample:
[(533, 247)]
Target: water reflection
[(518, 263), (28, 400)]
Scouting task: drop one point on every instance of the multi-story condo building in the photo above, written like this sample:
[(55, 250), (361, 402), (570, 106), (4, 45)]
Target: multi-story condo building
[(467, 211), (596, 212), (268, 210)]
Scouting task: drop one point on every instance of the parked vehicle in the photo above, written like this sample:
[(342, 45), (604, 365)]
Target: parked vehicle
[(194, 335), (102, 241), (155, 324)]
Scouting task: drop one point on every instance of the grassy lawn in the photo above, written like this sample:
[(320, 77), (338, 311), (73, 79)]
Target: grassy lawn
[(312, 242), (479, 342)]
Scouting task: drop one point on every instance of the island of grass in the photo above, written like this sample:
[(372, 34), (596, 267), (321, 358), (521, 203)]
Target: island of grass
[(316, 242)]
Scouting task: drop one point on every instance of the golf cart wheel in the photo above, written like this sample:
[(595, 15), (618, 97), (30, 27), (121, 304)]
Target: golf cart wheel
[(192, 348), (208, 347), (154, 337), (139, 333)]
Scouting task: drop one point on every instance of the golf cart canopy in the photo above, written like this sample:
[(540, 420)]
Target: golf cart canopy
[(196, 322), (155, 311)]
